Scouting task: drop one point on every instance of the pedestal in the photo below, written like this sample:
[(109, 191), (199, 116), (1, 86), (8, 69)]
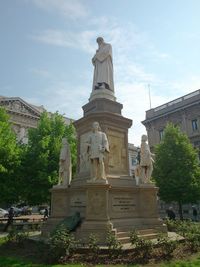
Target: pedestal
[(97, 220)]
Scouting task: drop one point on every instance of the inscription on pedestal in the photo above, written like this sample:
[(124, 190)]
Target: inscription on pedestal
[(123, 203), (77, 203)]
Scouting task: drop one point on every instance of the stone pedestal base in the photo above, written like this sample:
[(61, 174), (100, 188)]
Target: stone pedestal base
[(102, 93), (97, 219), (60, 197)]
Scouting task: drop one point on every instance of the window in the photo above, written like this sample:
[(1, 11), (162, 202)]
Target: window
[(194, 125), (133, 161), (161, 132)]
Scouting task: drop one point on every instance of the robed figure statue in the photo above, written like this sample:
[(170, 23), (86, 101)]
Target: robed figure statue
[(65, 166), (97, 146), (103, 66)]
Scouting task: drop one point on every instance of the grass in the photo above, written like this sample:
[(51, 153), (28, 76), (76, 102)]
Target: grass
[(15, 262)]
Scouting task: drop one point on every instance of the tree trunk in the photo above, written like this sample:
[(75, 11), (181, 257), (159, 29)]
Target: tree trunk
[(180, 210)]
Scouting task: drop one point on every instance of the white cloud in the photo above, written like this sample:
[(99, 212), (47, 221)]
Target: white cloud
[(72, 9), (83, 40), (60, 97)]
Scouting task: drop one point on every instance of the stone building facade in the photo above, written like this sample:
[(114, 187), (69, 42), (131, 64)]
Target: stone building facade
[(133, 154), (23, 116), (183, 111)]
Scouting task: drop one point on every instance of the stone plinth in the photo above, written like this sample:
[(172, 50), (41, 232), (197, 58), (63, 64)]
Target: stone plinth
[(119, 204), (102, 93), (108, 114), (60, 197), (97, 219)]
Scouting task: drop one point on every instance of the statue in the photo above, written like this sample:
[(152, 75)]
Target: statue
[(97, 145), (65, 168), (103, 66), (146, 161)]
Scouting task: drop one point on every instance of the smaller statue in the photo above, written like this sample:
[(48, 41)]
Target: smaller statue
[(65, 167), (97, 145), (146, 161)]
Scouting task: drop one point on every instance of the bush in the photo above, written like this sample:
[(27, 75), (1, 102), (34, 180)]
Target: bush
[(143, 248), (62, 243), (134, 237), (168, 246), (15, 236), (93, 245), (114, 245)]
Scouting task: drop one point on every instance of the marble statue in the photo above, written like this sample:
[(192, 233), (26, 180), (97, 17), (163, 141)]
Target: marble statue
[(97, 146), (146, 161), (103, 66), (65, 167)]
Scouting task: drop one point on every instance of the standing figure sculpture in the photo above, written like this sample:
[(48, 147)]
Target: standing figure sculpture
[(146, 161), (97, 145), (103, 66), (65, 168)]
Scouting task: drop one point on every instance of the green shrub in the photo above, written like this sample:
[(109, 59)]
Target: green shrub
[(62, 243), (134, 237), (143, 248), (114, 245), (168, 246), (93, 245), (193, 241), (16, 236)]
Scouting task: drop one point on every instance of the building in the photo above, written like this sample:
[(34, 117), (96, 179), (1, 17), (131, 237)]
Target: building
[(133, 154), (183, 111), (23, 116)]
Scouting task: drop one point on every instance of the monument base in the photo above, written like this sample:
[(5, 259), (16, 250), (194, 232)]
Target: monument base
[(102, 93)]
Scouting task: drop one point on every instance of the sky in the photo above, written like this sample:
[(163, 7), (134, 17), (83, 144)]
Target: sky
[(46, 48)]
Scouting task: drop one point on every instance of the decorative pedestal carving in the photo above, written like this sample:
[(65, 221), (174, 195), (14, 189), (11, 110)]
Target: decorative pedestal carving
[(97, 219)]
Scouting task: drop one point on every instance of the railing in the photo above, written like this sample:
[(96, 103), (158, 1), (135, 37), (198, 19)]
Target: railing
[(178, 100)]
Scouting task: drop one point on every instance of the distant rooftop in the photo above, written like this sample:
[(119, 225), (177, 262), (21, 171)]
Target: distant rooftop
[(169, 107)]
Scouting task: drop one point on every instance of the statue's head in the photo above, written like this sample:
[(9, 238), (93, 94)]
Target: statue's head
[(64, 141), (144, 138), (100, 40), (95, 126)]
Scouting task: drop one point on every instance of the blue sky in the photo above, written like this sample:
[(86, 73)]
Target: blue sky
[(46, 49)]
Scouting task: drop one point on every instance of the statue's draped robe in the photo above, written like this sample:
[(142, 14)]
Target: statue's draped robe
[(96, 142), (65, 164), (146, 159), (103, 66)]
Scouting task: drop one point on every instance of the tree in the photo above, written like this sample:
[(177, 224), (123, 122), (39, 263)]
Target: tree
[(176, 169), (10, 153), (41, 159)]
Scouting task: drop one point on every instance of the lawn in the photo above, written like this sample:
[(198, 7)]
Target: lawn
[(14, 262)]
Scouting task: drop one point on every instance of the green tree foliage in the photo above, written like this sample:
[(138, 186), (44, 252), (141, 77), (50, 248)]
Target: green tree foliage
[(176, 168), (41, 158), (10, 154)]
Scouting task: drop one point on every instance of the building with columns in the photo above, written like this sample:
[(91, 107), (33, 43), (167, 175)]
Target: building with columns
[(23, 116), (183, 111)]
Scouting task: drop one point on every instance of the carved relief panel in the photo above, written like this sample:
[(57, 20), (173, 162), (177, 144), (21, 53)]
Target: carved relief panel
[(84, 160), (117, 159)]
